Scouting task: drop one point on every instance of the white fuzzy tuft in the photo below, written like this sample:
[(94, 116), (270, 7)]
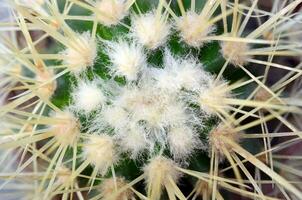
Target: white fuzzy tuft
[(181, 74), (140, 117), (176, 114), (115, 116), (133, 140), (128, 59), (88, 96), (192, 75), (66, 130), (182, 141), (193, 28), (99, 151), (145, 104), (111, 12), (150, 29), (211, 97), (235, 52), (161, 168), (81, 53)]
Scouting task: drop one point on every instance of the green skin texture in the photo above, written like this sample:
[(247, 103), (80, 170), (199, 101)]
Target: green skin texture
[(209, 55)]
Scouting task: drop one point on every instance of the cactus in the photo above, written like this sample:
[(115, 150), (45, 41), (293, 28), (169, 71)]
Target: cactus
[(138, 99)]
